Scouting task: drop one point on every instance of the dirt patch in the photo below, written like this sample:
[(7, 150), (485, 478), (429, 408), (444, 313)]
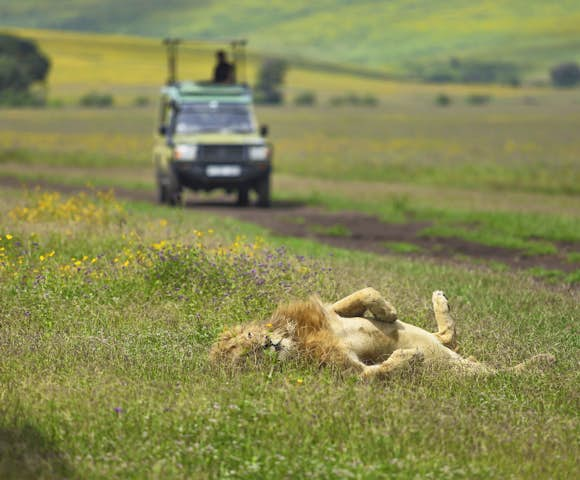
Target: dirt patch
[(350, 230)]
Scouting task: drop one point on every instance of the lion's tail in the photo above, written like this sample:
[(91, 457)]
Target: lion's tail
[(541, 361), (472, 366)]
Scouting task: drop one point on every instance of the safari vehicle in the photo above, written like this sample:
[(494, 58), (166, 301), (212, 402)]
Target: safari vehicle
[(208, 139)]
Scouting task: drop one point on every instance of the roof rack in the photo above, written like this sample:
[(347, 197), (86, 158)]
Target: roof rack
[(192, 92), (238, 51)]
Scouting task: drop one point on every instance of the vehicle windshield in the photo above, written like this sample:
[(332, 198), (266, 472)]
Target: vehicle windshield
[(214, 117)]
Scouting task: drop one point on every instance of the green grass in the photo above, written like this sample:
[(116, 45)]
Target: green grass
[(534, 35), (403, 247), (105, 370), (474, 175)]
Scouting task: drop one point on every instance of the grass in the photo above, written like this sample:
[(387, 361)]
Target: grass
[(504, 177), (109, 310), (126, 67), (403, 247), (534, 35)]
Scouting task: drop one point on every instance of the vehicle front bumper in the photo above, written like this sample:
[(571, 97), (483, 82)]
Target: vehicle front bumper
[(202, 175)]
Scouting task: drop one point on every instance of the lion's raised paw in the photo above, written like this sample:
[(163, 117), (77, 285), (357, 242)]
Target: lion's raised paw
[(440, 302)]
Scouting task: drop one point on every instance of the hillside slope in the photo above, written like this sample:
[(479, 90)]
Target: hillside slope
[(394, 35)]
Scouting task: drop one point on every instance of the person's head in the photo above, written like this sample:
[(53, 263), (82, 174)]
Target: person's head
[(221, 55)]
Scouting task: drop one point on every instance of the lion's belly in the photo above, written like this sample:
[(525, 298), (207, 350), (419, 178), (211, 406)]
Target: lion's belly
[(362, 337), (374, 341), (410, 336)]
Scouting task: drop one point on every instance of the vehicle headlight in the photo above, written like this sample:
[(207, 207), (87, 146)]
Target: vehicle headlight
[(259, 152), (185, 152)]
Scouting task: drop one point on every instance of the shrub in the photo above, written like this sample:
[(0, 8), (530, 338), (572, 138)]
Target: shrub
[(306, 98), (565, 75), (20, 98), (141, 101), (367, 100), (478, 99), (96, 99), (442, 100)]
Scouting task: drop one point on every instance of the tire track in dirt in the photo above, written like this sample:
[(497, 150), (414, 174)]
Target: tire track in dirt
[(350, 230)]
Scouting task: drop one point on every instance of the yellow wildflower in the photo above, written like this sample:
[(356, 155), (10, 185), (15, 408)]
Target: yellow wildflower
[(9, 237)]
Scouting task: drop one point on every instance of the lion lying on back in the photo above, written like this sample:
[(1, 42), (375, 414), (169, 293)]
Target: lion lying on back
[(340, 335)]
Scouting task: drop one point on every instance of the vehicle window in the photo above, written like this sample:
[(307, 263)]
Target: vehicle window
[(214, 117)]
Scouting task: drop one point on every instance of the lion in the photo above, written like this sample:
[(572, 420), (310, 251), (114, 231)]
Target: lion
[(340, 335)]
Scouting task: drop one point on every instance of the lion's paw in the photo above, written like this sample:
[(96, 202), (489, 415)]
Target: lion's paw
[(440, 303)]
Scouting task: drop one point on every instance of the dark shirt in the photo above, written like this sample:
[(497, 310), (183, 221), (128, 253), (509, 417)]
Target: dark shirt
[(223, 72)]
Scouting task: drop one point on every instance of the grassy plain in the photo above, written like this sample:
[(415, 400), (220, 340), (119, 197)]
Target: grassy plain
[(394, 35), (128, 66), (504, 174), (108, 311)]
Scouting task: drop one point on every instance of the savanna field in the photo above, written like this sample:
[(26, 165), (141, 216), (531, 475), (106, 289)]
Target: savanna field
[(109, 306)]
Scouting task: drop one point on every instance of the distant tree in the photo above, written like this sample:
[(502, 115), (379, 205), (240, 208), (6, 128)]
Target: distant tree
[(22, 64), (270, 80), (565, 74)]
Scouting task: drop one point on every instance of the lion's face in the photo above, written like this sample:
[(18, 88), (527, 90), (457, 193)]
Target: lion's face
[(250, 342)]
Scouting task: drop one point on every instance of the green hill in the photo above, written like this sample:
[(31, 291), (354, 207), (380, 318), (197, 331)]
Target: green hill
[(399, 36)]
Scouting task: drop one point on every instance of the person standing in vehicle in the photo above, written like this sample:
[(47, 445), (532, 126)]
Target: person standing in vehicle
[(223, 71)]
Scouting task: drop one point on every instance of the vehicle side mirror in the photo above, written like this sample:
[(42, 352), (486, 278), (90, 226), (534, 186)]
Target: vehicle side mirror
[(264, 130), (162, 130)]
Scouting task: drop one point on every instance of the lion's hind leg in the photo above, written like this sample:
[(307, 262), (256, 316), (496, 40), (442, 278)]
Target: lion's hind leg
[(357, 303), (445, 323)]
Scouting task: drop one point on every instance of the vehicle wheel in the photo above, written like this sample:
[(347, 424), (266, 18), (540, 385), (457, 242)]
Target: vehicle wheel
[(243, 197), (162, 197), (174, 196), (263, 190)]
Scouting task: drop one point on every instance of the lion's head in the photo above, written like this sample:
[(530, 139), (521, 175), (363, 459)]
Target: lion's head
[(251, 342)]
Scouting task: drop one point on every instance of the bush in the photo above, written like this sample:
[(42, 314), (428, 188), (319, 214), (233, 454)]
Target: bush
[(442, 100), (353, 99), (565, 75), (141, 101), (96, 99), (20, 98), (478, 99), (306, 98)]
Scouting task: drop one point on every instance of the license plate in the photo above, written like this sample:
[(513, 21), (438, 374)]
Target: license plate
[(223, 170)]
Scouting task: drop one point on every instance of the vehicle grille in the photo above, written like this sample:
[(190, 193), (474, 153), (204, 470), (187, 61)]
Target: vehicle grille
[(222, 153)]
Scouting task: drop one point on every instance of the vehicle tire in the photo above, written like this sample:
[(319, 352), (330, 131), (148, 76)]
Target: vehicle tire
[(174, 196), (263, 190), (172, 192), (243, 197), (162, 197)]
